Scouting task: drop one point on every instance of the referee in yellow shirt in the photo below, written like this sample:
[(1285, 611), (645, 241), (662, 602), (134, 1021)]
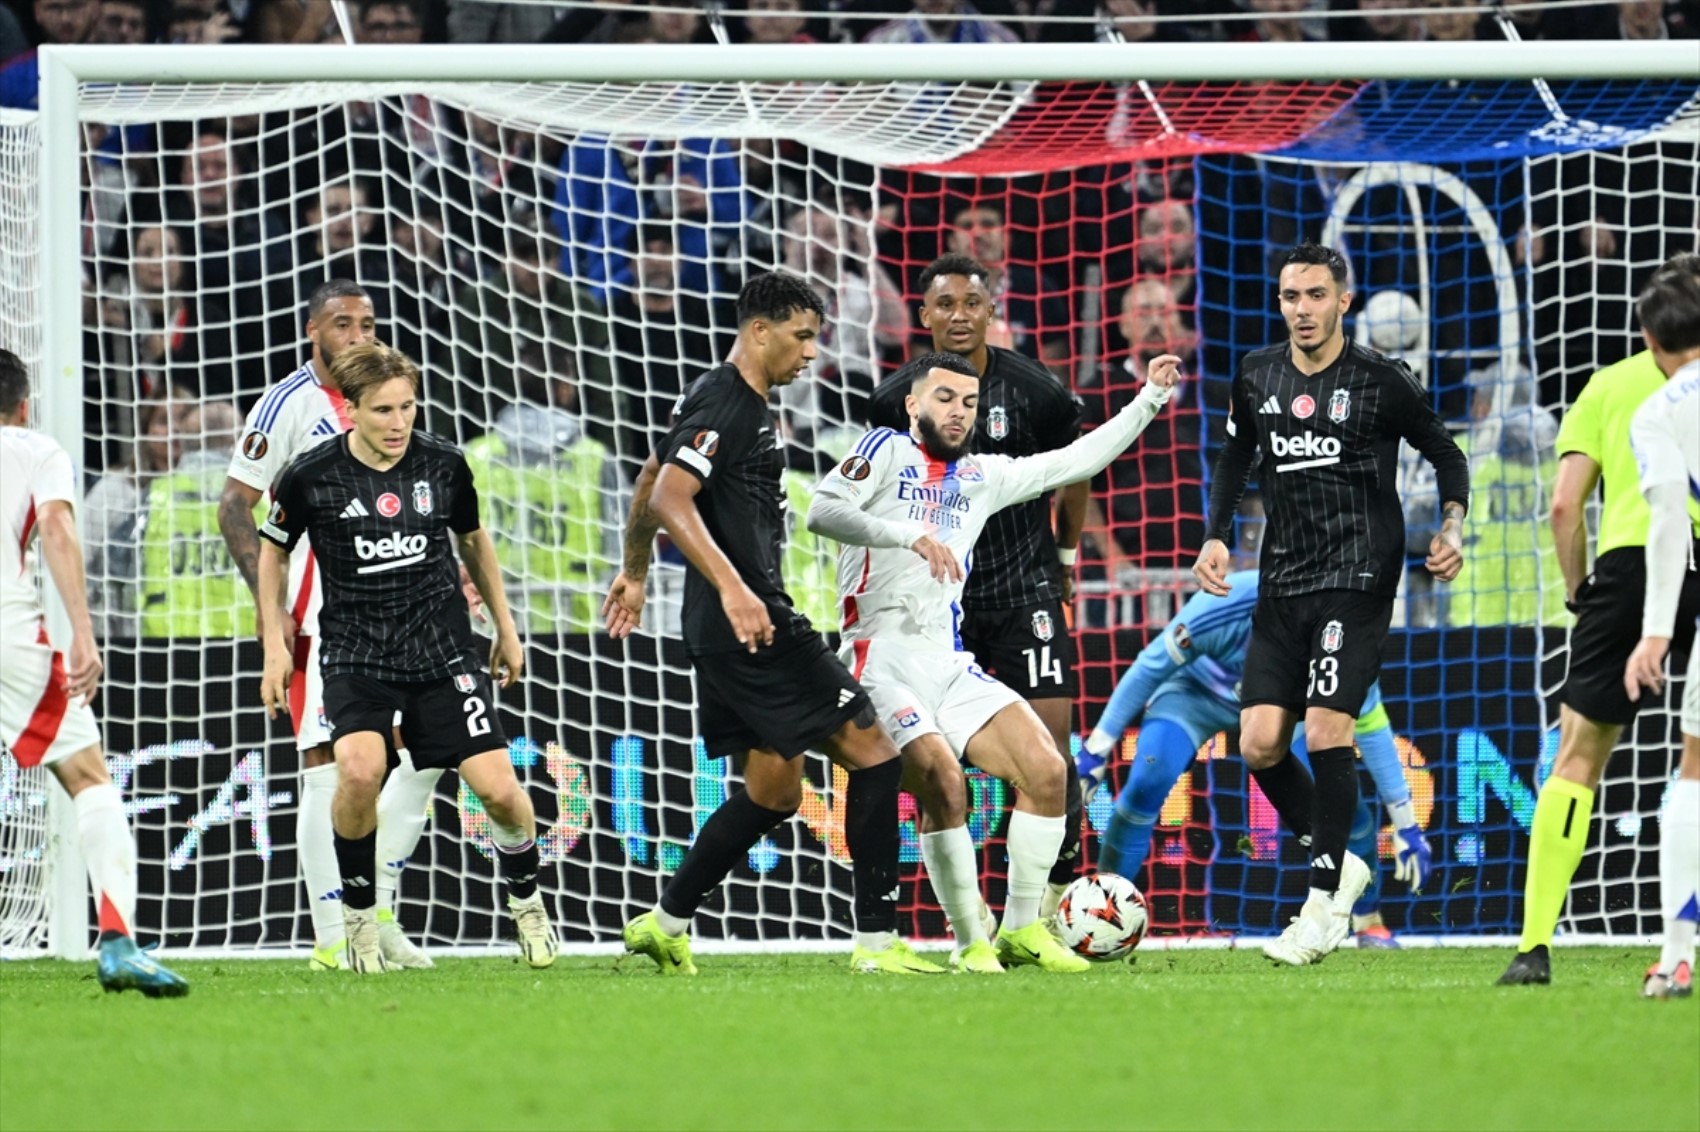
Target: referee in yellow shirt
[(1593, 441)]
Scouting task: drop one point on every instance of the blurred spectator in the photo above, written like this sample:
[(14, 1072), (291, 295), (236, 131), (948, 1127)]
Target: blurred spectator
[(337, 241), (528, 308), (187, 585), (670, 21), (495, 171), (1155, 493), (424, 280), (556, 507), (391, 23), (291, 21), (168, 332), (60, 21), (661, 344), (473, 21), (111, 516), (942, 21), (122, 22), (13, 41), (776, 21), (202, 22), (1166, 245), (1446, 23), (864, 313), (1283, 24), (1129, 21), (1377, 24), (592, 25), (1656, 19), (1032, 311)]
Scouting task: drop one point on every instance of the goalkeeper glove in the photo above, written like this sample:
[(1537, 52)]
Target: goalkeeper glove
[(1091, 769), (1413, 860)]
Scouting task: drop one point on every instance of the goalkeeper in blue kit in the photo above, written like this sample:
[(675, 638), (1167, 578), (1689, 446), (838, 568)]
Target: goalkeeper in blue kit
[(1184, 688)]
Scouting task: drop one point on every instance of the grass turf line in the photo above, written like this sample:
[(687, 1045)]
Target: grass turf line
[(1179, 1040)]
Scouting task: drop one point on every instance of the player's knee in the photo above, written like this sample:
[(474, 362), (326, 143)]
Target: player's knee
[(1042, 776), (780, 797), (1261, 752), (360, 771), (1141, 800), (82, 770), (508, 805)]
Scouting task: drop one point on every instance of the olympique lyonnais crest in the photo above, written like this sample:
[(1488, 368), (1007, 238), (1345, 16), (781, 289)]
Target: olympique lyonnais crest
[(1340, 405), (908, 717), (1042, 626), (1333, 636), (997, 422), (422, 497), (1303, 406), (465, 683)]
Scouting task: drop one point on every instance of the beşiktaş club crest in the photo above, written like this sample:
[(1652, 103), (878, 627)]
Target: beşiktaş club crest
[(997, 422), (422, 497), (1042, 625), (465, 683), (1340, 405), (1333, 636)]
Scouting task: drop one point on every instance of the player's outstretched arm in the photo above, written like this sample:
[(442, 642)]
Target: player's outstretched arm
[(835, 516), (57, 527), (622, 609), (279, 659), (674, 501), (478, 556)]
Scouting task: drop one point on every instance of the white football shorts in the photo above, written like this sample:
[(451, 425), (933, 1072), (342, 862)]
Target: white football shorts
[(307, 697), (38, 723), (1691, 693), (920, 692)]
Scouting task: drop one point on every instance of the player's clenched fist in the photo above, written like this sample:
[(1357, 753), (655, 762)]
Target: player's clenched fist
[(1211, 569), (1164, 371)]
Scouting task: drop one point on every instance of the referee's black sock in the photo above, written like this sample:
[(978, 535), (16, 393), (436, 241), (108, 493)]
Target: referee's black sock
[(722, 842), (357, 861), (1289, 789), (1336, 772), (1068, 857), (870, 831)]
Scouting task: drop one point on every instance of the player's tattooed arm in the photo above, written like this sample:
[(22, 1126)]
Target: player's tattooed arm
[(1446, 551), (236, 523), (622, 609)]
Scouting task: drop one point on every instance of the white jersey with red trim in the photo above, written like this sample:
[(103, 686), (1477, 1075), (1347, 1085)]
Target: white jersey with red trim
[(890, 591), (295, 415), (33, 470)]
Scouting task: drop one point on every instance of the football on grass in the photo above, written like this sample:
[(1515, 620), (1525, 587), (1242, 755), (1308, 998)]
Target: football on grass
[(1101, 916)]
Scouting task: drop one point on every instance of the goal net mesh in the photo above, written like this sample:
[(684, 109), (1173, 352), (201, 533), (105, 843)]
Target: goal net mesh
[(562, 260)]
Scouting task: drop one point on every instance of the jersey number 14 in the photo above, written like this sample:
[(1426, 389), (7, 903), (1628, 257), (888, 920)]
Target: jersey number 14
[(1041, 664)]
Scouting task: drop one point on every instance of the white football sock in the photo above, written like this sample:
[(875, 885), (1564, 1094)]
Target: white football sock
[(110, 854), (670, 924), (403, 808), (1679, 871), (1033, 845), (955, 876), (316, 847)]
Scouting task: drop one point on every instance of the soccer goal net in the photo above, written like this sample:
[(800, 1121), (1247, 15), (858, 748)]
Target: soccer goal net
[(561, 258)]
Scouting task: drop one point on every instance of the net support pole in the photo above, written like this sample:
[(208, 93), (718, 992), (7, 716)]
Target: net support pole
[(59, 408)]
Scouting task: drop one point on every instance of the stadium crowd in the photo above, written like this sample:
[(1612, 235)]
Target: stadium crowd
[(574, 285)]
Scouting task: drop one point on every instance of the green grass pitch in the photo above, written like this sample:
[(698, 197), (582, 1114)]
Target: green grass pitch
[(1186, 1040)]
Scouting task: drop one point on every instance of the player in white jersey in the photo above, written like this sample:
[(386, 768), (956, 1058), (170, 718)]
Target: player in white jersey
[(44, 708), (907, 509), (1665, 433), (296, 414)]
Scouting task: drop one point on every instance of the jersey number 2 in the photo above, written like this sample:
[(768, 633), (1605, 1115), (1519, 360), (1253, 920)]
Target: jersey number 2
[(1041, 664), (1327, 681), (476, 724)]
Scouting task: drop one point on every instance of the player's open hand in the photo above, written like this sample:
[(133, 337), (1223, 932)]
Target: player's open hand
[(1211, 569), (748, 615), (274, 680), (507, 658), (1646, 668), (1164, 371), (83, 677), (940, 559), (1445, 555), (622, 609)]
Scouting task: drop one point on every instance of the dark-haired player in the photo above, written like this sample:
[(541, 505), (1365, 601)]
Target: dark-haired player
[(380, 502), (767, 685), (1327, 416), (1014, 615)]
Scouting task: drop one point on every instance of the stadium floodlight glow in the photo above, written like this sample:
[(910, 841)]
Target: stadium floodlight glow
[(1440, 168)]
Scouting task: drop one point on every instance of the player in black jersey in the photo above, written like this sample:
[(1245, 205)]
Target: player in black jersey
[(1328, 416), (379, 502), (767, 685), (1015, 617)]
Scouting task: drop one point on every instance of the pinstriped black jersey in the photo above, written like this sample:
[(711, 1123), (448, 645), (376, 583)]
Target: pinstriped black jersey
[(1329, 467), (1024, 410), (393, 606)]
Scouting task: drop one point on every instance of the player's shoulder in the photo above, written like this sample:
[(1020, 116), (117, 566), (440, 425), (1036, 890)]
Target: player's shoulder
[(1671, 405), (436, 447), (1263, 359), (721, 394), (1017, 368), (32, 444), (1379, 365), (284, 399), (320, 457)]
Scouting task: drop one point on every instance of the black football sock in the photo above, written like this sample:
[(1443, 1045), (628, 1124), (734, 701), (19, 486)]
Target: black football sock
[(357, 861), (721, 843), (870, 831), (1336, 772), (1068, 857), (518, 866), (1289, 789)]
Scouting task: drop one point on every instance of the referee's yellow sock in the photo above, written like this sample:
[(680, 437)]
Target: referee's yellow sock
[(1556, 840)]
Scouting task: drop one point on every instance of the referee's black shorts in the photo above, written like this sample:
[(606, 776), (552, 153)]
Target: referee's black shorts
[(789, 696), (1608, 627), (1318, 649)]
